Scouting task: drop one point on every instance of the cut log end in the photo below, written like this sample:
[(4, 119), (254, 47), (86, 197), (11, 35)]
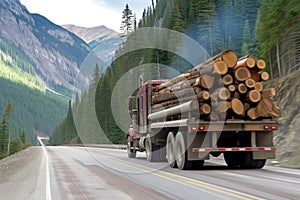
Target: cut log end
[(237, 106), (224, 93), (265, 76), (231, 88), (270, 92), (247, 106), (252, 114), (227, 79), (207, 81), (251, 62), (242, 88), (230, 58), (261, 64), (205, 109), (220, 67), (254, 96), (258, 86), (250, 83), (242, 74), (247, 61), (203, 95)]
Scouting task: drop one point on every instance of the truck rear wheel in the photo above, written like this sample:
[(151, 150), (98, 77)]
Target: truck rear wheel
[(171, 150), (232, 159), (181, 154), (243, 160), (154, 153), (248, 162), (131, 152)]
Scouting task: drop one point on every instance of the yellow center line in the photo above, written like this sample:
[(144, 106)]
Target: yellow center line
[(187, 181)]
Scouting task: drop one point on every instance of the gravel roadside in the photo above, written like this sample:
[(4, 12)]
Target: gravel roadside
[(19, 174)]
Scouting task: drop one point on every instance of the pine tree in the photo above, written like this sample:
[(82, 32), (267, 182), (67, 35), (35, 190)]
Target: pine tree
[(66, 132), (15, 145), (4, 139), (127, 21), (178, 24), (24, 139), (247, 38)]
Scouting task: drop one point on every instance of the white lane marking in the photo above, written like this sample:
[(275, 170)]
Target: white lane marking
[(48, 187)]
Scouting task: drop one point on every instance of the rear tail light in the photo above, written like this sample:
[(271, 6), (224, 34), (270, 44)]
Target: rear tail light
[(266, 127), (201, 128), (274, 127), (194, 128)]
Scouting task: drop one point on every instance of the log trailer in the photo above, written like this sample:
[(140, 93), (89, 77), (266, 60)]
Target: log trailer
[(179, 136)]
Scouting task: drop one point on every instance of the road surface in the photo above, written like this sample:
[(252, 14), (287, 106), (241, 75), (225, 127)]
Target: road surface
[(55, 173)]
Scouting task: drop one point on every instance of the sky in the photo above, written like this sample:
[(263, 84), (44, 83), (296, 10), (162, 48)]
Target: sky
[(86, 13)]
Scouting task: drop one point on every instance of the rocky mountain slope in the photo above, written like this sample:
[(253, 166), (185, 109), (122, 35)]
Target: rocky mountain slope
[(56, 54), (92, 33), (103, 41), (287, 138)]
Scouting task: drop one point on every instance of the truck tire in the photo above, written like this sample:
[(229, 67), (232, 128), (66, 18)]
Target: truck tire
[(154, 153), (170, 148), (243, 160), (233, 159), (131, 152), (247, 162), (181, 153)]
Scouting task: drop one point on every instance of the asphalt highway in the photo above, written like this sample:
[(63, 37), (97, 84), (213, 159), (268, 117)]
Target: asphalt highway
[(99, 173)]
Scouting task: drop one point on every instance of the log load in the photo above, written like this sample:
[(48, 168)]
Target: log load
[(224, 86)]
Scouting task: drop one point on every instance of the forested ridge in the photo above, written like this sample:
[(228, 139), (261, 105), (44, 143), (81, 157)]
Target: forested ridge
[(245, 26), (34, 111)]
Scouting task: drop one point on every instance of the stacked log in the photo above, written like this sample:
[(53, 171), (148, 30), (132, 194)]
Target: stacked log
[(225, 87)]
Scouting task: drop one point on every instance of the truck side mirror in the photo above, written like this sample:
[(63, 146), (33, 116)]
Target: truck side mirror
[(130, 105)]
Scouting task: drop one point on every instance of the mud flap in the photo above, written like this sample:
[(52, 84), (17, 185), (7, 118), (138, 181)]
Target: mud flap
[(258, 155)]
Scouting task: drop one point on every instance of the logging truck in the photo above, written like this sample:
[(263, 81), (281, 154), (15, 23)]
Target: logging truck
[(186, 131)]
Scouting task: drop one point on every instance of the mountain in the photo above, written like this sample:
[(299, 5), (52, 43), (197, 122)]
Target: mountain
[(103, 41), (55, 54), (92, 33), (40, 64)]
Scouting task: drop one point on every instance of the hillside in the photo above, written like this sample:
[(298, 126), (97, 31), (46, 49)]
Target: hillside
[(103, 41), (35, 111), (287, 138)]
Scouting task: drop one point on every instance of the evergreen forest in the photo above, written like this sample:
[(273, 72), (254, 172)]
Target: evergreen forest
[(34, 111)]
